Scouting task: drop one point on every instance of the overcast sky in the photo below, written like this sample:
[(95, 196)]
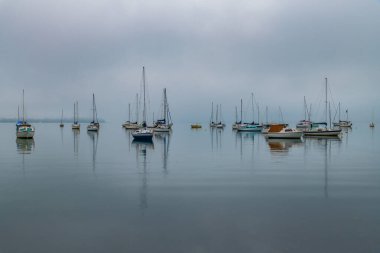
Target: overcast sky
[(201, 51)]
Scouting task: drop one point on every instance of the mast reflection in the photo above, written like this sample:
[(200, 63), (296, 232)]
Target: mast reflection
[(94, 136), (164, 138), (76, 133), (142, 148)]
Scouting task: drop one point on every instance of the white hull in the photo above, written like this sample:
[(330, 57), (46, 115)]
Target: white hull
[(323, 132), (25, 135), (285, 135), (92, 128), (161, 129), (143, 134), (75, 126)]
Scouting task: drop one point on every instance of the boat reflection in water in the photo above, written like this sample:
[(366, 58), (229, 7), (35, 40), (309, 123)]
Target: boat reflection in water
[(25, 146), (142, 148), (76, 133), (94, 136), (281, 146), (164, 139)]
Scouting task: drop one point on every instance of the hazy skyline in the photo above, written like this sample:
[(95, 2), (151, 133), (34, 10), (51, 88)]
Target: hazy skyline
[(201, 51)]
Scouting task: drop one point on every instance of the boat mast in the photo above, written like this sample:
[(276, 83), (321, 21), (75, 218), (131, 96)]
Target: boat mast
[(165, 105), (326, 98), (339, 111), (137, 108), (253, 109), (217, 108), (18, 113), (93, 108), (241, 111), (266, 114), (129, 112), (304, 106), (144, 112), (212, 112), (77, 114), (23, 108), (62, 116), (236, 116)]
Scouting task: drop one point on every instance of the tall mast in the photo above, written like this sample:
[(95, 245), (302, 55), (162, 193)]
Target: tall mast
[(144, 110), (304, 106), (212, 112), (236, 117), (74, 114), (137, 108), (18, 113), (62, 116), (253, 109), (258, 114), (241, 111), (217, 108), (23, 107), (266, 114), (77, 119), (165, 105), (339, 110), (93, 107), (326, 98), (129, 112)]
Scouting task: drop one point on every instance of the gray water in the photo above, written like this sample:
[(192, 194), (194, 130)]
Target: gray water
[(190, 191)]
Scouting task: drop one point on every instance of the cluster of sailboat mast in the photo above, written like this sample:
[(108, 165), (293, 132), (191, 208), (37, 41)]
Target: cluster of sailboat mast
[(143, 132)]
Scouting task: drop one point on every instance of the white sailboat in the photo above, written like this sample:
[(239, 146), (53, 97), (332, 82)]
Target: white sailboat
[(321, 129), (250, 127), (212, 122), (219, 121), (343, 123), (76, 124), (94, 124), (144, 133), (24, 130), (164, 124), (305, 123), (129, 124)]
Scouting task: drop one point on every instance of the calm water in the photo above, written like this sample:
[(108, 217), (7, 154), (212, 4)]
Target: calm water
[(190, 191)]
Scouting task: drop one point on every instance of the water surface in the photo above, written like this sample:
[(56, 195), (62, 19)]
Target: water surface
[(190, 191)]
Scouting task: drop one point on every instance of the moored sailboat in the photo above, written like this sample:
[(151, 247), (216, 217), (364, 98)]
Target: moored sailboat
[(144, 133), (94, 124), (320, 129), (61, 124), (76, 124), (164, 124), (24, 130), (281, 131)]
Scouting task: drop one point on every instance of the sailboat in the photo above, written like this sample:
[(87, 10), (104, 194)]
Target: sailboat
[(76, 124), (219, 122), (320, 129), (61, 124), (94, 124), (372, 124), (305, 123), (237, 123), (129, 124), (250, 127), (24, 130), (143, 134), (212, 122), (343, 123), (164, 124)]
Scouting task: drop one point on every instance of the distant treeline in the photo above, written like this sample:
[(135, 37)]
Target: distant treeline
[(14, 120)]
